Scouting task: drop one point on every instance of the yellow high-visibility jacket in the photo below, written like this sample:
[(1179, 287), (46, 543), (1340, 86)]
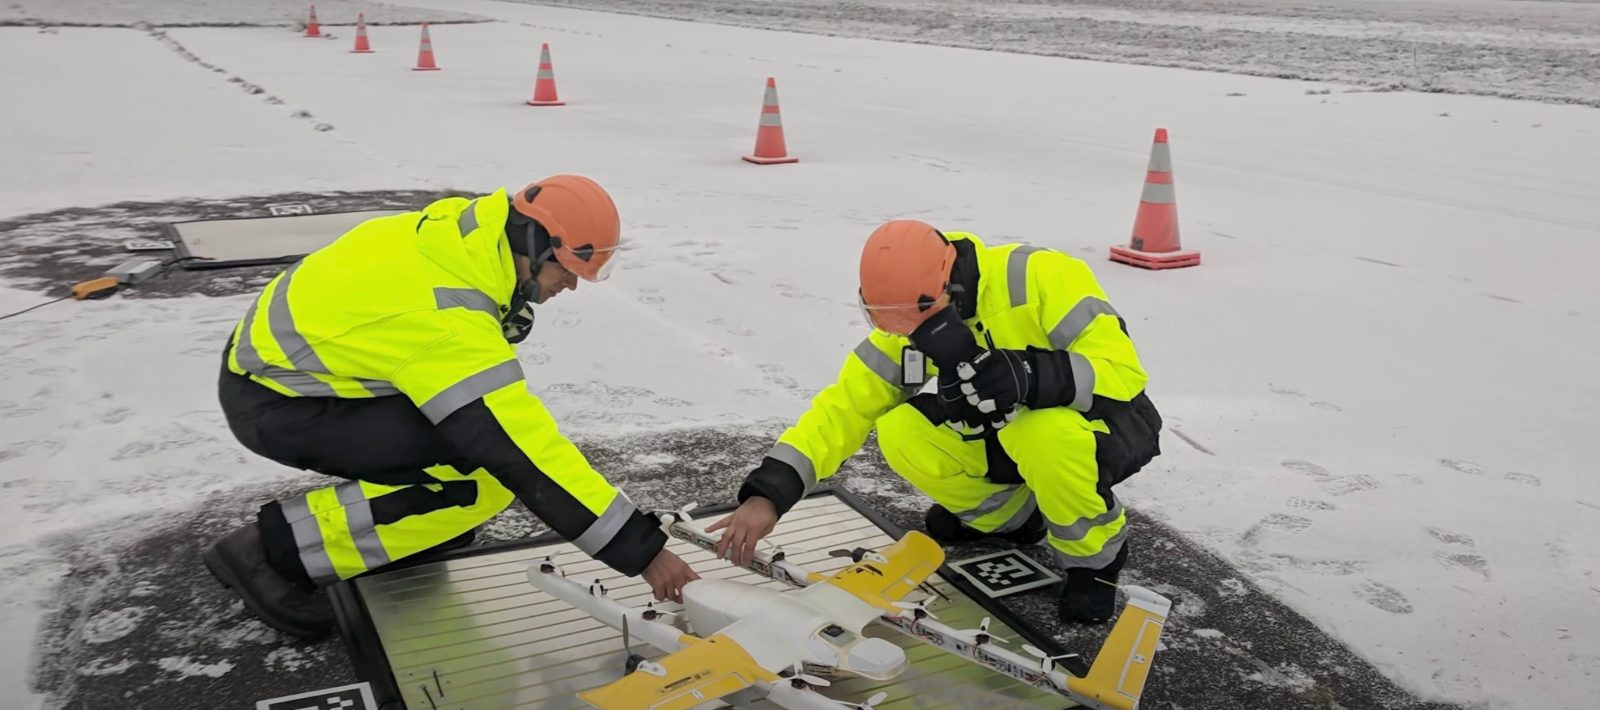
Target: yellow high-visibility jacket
[(411, 305), (1026, 297)]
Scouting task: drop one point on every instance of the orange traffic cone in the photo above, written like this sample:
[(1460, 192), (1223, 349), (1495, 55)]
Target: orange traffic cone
[(362, 46), (770, 148), (425, 53), (1155, 229), (544, 88), (312, 29)]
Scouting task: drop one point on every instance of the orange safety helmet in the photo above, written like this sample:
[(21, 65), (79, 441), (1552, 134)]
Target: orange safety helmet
[(905, 273), (580, 218)]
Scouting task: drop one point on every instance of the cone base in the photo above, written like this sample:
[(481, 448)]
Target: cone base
[(1155, 260), (361, 51), (313, 36), (424, 68), (531, 102), (758, 160)]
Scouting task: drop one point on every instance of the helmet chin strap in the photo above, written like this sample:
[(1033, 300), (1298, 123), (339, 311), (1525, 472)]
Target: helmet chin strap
[(528, 238)]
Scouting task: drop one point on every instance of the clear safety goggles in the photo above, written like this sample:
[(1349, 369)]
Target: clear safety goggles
[(589, 263), (900, 318)]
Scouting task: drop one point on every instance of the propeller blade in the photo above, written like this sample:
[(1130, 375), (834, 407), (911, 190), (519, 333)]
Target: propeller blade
[(873, 701), (917, 608), (1036, 653), (813, 680)]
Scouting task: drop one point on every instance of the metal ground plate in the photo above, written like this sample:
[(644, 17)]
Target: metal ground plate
[(250, 241), (470, 633)]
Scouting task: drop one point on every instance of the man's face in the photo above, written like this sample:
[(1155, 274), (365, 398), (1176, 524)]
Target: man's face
[(553, 279)]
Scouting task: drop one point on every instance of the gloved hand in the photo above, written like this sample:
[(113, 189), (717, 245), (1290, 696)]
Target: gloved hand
[(945, 339), (947, 342), (996, 382), (962, 417), (517, 326)]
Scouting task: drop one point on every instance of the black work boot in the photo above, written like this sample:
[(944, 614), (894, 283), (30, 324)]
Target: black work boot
[(1087, 598), (947, 529), (240, 562)]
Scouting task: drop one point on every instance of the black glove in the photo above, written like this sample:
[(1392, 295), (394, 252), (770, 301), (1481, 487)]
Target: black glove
[(996, 382), (947, 342), (517, 325), (945, 339), (1052, 384), (939, 411)]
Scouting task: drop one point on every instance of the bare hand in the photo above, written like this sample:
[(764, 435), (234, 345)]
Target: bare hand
[(667, 574), (754, 520)]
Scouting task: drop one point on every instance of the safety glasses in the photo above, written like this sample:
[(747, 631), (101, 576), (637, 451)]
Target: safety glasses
[(588, 262), (900, 318)]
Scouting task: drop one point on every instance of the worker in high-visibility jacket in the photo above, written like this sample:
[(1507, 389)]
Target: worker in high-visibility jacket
[(387, 358), (1034, 405)]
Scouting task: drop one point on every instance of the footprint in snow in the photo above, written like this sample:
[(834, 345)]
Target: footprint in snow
[(650, 295), (1470, 562), (1526, 479), (1353, 484), (1317, 473), (1467, 467), (1451, 538), (1274, 523), (775, 375), (1453, 558), (1310, 504), (1384, 597)]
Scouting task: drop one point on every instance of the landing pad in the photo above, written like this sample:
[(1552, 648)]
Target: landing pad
[(255, 241), (468, 632)]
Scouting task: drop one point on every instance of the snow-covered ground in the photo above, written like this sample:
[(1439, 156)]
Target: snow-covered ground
[(1378, 385), (1539, 49), (121, 13)]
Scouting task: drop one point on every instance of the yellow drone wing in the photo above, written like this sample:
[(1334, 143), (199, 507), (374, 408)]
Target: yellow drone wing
[(1116, 680), (905, 565), (702, 672)]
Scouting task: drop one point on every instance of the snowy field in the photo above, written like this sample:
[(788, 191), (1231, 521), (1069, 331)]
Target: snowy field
[(221, 13), (1537, 49), (1378, 386)]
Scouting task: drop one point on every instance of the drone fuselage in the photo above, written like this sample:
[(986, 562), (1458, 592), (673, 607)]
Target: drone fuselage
[(819, 626)]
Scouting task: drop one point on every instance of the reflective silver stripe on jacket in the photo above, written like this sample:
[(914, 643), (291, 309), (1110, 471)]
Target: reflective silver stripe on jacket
[(469, 298), (802, 465), (1017, 273), (606, 527), (462, 393)]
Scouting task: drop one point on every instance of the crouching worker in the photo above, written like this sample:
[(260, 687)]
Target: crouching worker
[(387, 359), (1034, 409)]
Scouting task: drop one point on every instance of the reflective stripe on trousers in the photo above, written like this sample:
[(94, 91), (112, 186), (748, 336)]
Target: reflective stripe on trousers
[(1055, 453), (338, 538), (950, 471)]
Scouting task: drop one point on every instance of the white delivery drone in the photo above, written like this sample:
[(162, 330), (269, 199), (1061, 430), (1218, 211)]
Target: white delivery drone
[(772, 641)]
